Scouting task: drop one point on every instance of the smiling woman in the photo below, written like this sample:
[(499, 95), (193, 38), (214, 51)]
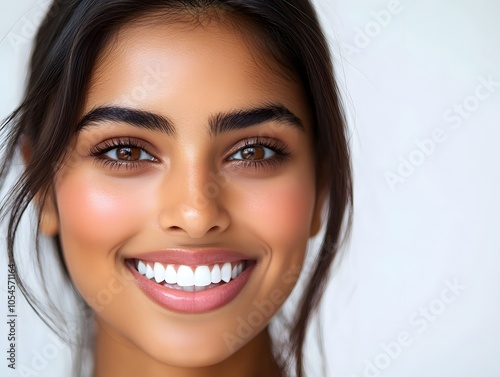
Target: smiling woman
[(197, 188)]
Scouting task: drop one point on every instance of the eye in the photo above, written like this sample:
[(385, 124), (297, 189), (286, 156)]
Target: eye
[(253, 153), (261, 153), (128, 153)]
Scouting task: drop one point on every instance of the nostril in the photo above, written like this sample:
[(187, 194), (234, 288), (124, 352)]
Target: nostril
[(214, 228)]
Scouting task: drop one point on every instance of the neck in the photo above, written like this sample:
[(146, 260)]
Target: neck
[(112, 358)]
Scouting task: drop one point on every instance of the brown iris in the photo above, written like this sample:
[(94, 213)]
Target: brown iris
[(128, 153), (253, 153)]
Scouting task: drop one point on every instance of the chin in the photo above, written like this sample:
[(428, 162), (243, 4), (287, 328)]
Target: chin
[(193, 354)]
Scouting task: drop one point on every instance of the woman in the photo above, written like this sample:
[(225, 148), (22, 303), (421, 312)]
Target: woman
[(180, 155)]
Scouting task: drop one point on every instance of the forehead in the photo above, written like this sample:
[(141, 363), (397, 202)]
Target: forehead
[(180, 66)]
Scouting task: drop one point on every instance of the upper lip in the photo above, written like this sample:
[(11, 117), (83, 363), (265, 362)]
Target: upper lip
[(192, 256)]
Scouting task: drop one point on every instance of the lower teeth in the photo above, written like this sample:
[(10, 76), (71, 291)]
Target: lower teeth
[(191, 288)]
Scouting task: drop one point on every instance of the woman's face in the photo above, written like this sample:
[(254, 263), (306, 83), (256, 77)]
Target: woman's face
[(193, 167)]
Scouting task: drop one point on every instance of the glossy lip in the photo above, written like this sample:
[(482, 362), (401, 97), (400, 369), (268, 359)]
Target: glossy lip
[(192, 302)]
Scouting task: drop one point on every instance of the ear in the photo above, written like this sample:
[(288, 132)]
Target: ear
[(318, 211), (49, 218)]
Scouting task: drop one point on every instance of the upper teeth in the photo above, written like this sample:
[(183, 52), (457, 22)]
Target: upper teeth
[(184, 276)]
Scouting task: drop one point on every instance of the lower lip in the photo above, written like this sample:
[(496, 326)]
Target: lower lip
[(192, 302)]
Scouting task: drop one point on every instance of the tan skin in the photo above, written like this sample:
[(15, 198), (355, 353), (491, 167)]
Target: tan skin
[(106, 214)]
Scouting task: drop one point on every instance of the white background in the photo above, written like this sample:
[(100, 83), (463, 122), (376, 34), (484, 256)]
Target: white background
[(403, 67)]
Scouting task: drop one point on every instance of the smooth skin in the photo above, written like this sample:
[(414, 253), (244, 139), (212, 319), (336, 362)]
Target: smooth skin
[(190, 189)]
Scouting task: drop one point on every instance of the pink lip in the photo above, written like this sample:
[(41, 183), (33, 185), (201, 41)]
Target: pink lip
[(192, 257), (191, 302)]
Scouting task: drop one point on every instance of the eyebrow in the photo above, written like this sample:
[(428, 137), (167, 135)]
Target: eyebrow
[(218, 123), (225, 122), (134, 117)]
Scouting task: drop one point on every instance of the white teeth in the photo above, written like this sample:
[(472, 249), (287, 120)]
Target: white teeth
[(202, 276), (215, 275), (141, 267), (234, 272), (149, 272), (226, 272), (159, 272), (188, 280), (185, 276), (170, 275)]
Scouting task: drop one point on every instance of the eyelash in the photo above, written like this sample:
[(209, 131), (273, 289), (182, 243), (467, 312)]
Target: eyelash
[(281, 153), (108, 145)]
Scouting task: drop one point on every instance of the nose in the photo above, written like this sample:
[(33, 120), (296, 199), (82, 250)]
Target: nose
[(193, 203)]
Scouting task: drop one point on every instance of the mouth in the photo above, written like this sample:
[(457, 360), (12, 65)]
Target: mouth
[(190, 278), (191, 282)]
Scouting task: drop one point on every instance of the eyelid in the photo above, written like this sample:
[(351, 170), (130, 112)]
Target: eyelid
[(98, 152), (128, 141), (274, 144), (281, 154)]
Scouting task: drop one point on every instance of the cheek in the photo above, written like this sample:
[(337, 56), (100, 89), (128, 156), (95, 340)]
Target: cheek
[(281, 213), (100, 213), (285, 210), (96, 216), (277, 214)]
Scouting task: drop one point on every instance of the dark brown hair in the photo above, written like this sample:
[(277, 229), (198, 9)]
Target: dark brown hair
[(65, 50)]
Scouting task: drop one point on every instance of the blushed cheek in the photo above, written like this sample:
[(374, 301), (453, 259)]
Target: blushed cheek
[(100, 215), (284, 213)]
